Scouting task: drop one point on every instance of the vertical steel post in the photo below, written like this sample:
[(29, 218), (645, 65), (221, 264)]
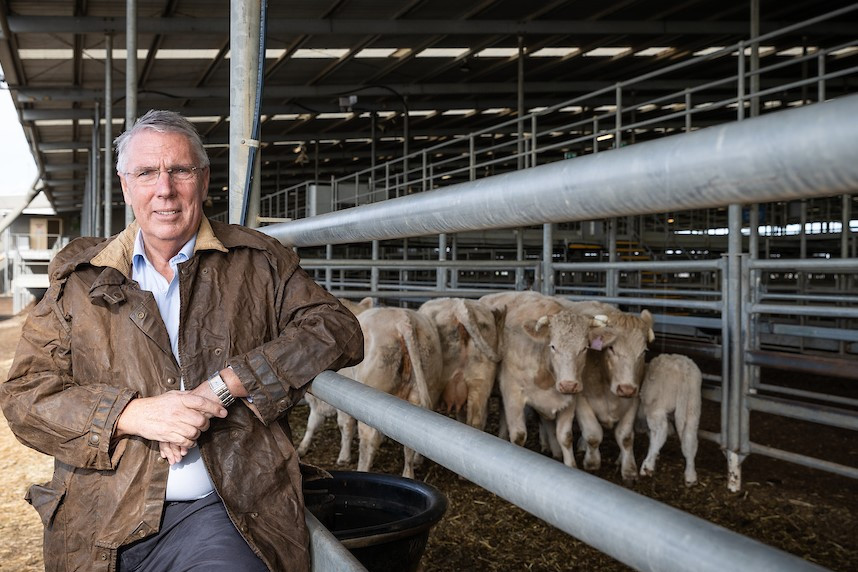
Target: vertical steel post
[(441, 272), (519, 256), (734, 321), (520, 97), (130, 76), (244, 32), (548, 259), (95, 190), (373, 279), (108, 135)]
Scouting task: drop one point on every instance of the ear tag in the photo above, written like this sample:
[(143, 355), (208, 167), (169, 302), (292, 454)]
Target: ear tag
[(596, 344)]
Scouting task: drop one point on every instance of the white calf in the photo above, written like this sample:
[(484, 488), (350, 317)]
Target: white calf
[(672, 387)]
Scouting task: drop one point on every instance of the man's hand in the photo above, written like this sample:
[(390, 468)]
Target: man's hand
[(175, 419)]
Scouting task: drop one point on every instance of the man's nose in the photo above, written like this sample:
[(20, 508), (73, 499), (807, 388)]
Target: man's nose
[(164, 182)]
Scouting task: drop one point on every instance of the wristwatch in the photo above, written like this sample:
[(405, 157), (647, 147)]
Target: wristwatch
[(220, 389)]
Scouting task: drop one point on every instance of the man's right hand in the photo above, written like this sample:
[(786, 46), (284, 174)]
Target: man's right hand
[(175, 417)]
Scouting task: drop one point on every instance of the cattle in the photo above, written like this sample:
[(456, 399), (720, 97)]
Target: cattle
[(319, 410), (671, 388), (402, 357), (612, 378), (470, 334), (544, 354)]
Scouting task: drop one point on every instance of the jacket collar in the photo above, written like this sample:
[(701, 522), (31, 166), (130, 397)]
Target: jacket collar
[(118, 253)]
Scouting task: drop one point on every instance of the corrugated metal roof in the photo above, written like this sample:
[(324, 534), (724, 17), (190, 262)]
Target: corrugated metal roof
[(53, 57)]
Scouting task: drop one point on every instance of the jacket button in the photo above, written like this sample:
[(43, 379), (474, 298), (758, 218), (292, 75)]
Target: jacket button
[(141, 315), (218, 351), (93, 438), (104, 555), (205, 271), (171, 381), (283, 403)]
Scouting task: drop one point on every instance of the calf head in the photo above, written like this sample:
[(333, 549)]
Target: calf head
[(565, 334), (622, 340)]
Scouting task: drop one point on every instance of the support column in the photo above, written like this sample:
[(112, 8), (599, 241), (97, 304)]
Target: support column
[(548, 259), (108, 135), (244, 33), (130, 77), (95, 188), (441, 272)]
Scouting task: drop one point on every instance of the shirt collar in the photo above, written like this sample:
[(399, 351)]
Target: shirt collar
[(139, 253)]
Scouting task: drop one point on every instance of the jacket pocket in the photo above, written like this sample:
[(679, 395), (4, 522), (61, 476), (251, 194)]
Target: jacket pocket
[(45, 500)]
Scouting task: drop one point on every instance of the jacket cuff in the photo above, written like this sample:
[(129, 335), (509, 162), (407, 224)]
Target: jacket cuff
[(101, 429), (269, 395)]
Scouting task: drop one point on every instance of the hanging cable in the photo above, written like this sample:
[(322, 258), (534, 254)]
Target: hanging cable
[(257, 108)]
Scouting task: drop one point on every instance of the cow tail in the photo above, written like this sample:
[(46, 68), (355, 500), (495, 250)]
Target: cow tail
[(466, 318), (408, 334)]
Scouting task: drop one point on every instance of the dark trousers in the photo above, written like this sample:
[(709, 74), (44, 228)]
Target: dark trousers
[(195, 536)]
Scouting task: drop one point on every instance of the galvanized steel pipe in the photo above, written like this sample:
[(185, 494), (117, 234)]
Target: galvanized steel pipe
[(630, 527), (797, 153)]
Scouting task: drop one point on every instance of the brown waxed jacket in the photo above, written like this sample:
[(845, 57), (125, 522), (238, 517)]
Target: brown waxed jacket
[(96, 340)]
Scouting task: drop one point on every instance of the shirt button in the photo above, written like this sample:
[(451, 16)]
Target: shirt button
[(218, 351)]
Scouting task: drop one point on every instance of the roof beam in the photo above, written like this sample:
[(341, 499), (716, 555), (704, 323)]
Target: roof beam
[(34, 94), (334, 26)]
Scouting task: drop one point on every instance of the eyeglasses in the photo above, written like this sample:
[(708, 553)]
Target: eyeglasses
[(148, 176)]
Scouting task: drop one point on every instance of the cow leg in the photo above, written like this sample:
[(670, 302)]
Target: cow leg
[(687, 431), (478, 403), (370, 441), (591, 435), (347, 425), (513, 407), (314, 420), (657, 423), (624, 433), (411, 459), (548, 437), (563, 429)]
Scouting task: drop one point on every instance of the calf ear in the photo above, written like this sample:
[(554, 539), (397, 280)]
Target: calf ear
[(537, 328)]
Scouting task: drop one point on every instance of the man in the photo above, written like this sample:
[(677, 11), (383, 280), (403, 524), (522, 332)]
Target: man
[(158, 371)]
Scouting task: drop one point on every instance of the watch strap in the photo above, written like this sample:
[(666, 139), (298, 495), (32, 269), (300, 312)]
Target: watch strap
[(218, 386)]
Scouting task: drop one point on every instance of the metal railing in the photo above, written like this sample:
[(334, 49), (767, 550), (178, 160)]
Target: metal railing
[(616, 115)]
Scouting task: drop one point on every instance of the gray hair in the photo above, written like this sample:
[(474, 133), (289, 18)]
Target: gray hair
[(162, 122)]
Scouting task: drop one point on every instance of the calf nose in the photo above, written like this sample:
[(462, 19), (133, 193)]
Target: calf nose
[(567, 386), (626, 390)]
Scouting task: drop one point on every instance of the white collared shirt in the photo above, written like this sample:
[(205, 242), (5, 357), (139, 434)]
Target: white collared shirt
[(188, 479)]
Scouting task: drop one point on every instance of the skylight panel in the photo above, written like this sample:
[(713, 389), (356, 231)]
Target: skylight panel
[(380, 114), (421, 112), (497, 53), (495, 110), (653, 51), (797, 51), (763, 50), (848, 50), (707, 51), (376, 52), (186, 54), (45, 54), (442, 52), (608, 51), (335, 115), (319, 53), (572, 109), (285, 116), (555, 52), (459, 112)]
